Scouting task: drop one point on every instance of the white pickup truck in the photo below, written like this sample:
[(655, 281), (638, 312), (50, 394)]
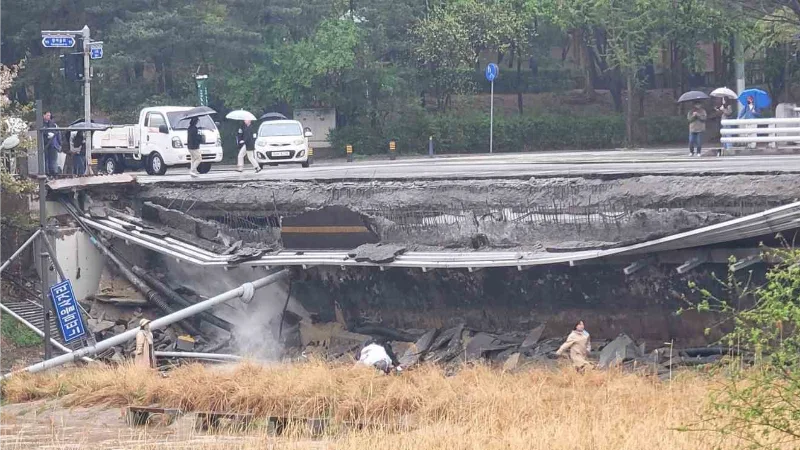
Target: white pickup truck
[(158, 141)]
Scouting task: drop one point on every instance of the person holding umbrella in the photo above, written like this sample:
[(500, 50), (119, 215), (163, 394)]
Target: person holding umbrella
[(697, 125), (193, 140), (754, 100)]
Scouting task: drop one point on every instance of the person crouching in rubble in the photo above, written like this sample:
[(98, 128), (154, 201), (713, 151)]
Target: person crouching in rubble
[(378, 354), (144, 356), (579, 345)]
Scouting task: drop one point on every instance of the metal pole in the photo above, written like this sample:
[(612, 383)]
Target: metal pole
[(738, 58), (87, 95), (20, 250), (43, 266), (217, 356), (491, 117), (156, 324), (33, 328)]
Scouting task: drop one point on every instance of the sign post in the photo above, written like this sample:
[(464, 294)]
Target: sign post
[(70, 321), (491, 73), (202, 89)]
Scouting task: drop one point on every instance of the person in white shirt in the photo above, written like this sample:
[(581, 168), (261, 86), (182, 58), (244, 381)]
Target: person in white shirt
[(378, 353)]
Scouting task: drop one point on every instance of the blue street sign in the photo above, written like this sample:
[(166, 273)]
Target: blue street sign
[(96, 52), (66, 306), (491, 71), (58, 41)]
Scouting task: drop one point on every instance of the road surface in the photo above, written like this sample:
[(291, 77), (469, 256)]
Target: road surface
[(594, 163)]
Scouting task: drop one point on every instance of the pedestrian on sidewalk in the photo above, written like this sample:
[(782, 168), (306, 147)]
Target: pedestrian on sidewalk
[(726, 113), (579, 345), (79, 154), (750, 112), (52, 145), (246, 140), (144, 356), (697, 125), (193, 144)]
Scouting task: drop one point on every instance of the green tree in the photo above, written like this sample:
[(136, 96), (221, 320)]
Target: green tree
[(759, 405)]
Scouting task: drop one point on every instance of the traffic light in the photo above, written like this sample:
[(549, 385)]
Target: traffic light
[(72, 66)]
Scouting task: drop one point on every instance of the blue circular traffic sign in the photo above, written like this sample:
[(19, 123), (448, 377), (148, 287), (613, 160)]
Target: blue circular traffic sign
[(491, 71)]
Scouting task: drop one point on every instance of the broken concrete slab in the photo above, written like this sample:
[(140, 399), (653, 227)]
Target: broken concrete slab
[(479, 344), (121, 301), (418, 349), (533, 337), (99, 325), (377, 253), (512, 362), (617, 351)]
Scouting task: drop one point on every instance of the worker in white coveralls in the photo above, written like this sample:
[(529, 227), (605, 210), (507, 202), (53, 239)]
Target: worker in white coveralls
[(378, 354), (144, 356), (579, 345)]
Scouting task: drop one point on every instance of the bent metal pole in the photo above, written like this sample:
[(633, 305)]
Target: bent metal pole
[(156, 324)]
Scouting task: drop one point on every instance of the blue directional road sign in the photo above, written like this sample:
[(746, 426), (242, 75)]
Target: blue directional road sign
[(491, 71), (69, 317), (58, 41), (96, 52)]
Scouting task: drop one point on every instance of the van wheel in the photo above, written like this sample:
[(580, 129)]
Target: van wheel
[(305, 164), (273, 164), (203, 167), (155, 165), (110, 165)]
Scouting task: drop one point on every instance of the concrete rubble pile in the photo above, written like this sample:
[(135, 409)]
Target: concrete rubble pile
[(455, 346)]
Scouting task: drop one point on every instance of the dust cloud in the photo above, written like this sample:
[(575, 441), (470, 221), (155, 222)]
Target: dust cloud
[(256, 323)]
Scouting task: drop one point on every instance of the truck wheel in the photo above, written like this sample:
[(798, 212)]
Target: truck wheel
[(111, 165), (155, 165), (305, 164), (204, 167)]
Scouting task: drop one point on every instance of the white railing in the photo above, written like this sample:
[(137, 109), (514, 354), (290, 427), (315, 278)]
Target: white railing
[(747, 131)]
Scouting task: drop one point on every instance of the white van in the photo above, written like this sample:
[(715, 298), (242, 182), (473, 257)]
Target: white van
[(282, 142), (156, 142)]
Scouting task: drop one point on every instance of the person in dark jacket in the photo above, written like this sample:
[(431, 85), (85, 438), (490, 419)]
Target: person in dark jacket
[(79, 153), (52, 145), (193, 144), (246, 141)]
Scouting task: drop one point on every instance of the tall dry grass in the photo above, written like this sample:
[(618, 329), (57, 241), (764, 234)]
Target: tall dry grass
[(478, 408)]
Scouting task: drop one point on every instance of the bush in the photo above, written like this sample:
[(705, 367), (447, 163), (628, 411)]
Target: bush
[(17, 333), (470, 134)]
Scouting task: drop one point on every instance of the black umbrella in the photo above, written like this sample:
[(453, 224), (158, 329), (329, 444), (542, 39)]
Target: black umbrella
[(197, 112), (272, 116), (693, 96), (81, 122)]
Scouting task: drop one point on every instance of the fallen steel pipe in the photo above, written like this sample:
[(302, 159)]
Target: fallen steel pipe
[(33, 328), (20, 249), (152, 296), (195, 355), (165, 290), (156, 324)]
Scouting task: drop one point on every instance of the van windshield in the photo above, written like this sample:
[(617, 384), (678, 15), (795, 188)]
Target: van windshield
[(203, 122), (279, 129)]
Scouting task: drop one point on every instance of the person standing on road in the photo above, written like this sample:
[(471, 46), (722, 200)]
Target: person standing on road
[(144, 356), (193, 144), (52, 145), (697, 125), (79, 154), (750, 112), (579, 345), (726, 112), (246, 140)]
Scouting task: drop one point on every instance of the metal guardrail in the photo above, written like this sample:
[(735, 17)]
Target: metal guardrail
[(747, 131)]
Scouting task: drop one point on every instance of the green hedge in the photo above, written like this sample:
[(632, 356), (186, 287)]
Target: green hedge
[(470, 134)]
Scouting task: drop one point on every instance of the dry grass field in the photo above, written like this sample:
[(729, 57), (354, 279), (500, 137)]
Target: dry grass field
[(477, 408)]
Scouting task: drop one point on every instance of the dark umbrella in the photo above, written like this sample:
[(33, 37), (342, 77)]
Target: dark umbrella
[(693, 96), (97, 124), (272, 116), (197, 112)]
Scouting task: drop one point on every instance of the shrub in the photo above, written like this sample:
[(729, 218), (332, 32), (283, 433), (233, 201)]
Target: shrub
[(470, 134)]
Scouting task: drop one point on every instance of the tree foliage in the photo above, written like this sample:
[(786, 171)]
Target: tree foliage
[(759, 405)]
